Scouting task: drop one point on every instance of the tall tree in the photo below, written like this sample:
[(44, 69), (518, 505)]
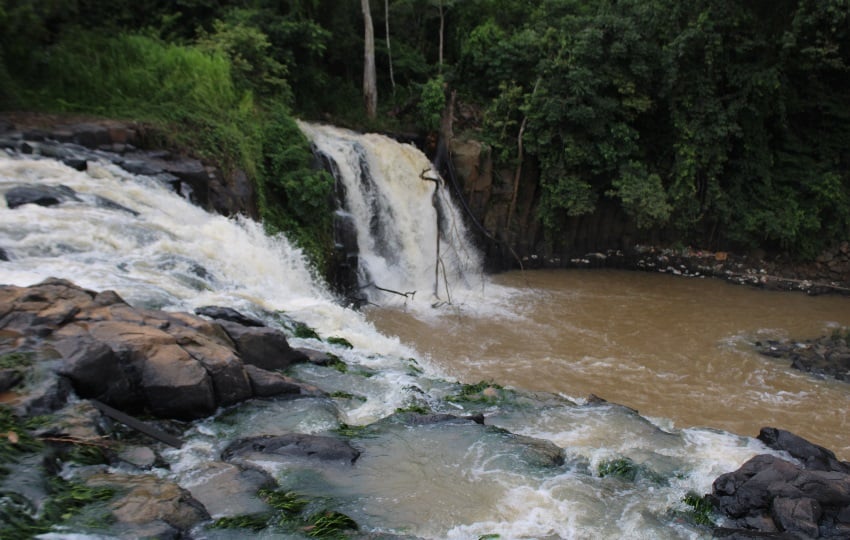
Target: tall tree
[(370, 85)]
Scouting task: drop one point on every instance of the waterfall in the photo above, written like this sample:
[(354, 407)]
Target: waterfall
[(411, 236)]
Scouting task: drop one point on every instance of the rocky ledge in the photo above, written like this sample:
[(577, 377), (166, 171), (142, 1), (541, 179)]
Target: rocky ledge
[(172, 365), (133, 146)]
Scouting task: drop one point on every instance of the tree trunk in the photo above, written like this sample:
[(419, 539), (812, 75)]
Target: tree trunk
[(442, 27), (389, 50), (370, 85)]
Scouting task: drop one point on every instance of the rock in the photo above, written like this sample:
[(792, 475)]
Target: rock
[(227, 490), (174, 365), (149, 499), (40, 195), (103, 202), (228, 314), (263, 347), (772, 495), (10, 378), (176, 385), (229, 378), (90, 135), (141, 457), (268, 384), (295, 445), (797, 516), (317, 358), (812, 456), (4, 255), (95, 372)]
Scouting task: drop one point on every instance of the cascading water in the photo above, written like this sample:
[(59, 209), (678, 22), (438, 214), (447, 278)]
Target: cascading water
[(410, 234), (445, 480)]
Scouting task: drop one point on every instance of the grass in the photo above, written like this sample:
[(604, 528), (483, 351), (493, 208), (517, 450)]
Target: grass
[(66, 499), (341, 342), (701, 509), (476, 393), (288, 512)]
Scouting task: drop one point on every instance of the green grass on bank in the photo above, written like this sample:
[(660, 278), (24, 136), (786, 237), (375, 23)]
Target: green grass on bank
[(190, 96)]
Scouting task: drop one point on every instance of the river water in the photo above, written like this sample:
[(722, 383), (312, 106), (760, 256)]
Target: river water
[(673, 348), (677, 350)]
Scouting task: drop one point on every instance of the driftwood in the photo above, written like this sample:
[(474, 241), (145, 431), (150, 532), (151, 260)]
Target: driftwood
[(408, 294), (137, 424)]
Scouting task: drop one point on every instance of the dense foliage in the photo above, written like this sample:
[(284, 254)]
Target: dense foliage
[(724, 122)]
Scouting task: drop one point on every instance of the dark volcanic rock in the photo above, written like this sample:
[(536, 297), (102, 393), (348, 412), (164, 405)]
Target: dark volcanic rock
[(296, 445), (774, 496), (40, 195)]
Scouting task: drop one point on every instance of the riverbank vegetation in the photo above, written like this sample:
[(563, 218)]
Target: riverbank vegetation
[(723, 123)]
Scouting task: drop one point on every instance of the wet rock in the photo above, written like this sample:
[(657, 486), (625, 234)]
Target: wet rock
[(171, 364), (812, 456), (317, 358), (267, 384), (773, 495), (228, 314), (103, 202), (227, 490), (263, 347), (141, 457), (826, 356), (90, 135), (40, 195), (4, 255), (96, 372), (150, 500), (537, 452), (295, 445)]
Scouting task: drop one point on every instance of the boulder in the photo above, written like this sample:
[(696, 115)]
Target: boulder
[(173, 365), (263, 347), (96, 372), (148, 499), (227, 490), (40, 195), (268, 384), (773, 496), (293, 445)]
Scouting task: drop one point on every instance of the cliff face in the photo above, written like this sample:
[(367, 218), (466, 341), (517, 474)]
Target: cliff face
[(512, 221)]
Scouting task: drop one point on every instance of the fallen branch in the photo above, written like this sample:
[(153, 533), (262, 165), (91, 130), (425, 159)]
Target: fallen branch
[(137, 424), (409, 294)]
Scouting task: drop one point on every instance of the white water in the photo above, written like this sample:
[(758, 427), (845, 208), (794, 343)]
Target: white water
[(430, 482), (393, 195)]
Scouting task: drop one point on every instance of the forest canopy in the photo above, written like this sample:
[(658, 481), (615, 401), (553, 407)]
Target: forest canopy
[(724, 121)]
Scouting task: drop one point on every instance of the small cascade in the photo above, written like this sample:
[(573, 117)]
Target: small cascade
[(410, 236)]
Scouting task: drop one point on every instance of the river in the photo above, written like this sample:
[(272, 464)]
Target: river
[(673, 348)]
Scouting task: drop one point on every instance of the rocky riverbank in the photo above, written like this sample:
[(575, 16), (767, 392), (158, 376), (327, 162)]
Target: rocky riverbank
[(67, 354)]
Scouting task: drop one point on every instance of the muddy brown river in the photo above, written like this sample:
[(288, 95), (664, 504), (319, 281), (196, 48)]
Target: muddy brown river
[(677, 349)]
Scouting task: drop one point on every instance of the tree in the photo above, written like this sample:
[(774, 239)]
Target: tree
[(370, 85)]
